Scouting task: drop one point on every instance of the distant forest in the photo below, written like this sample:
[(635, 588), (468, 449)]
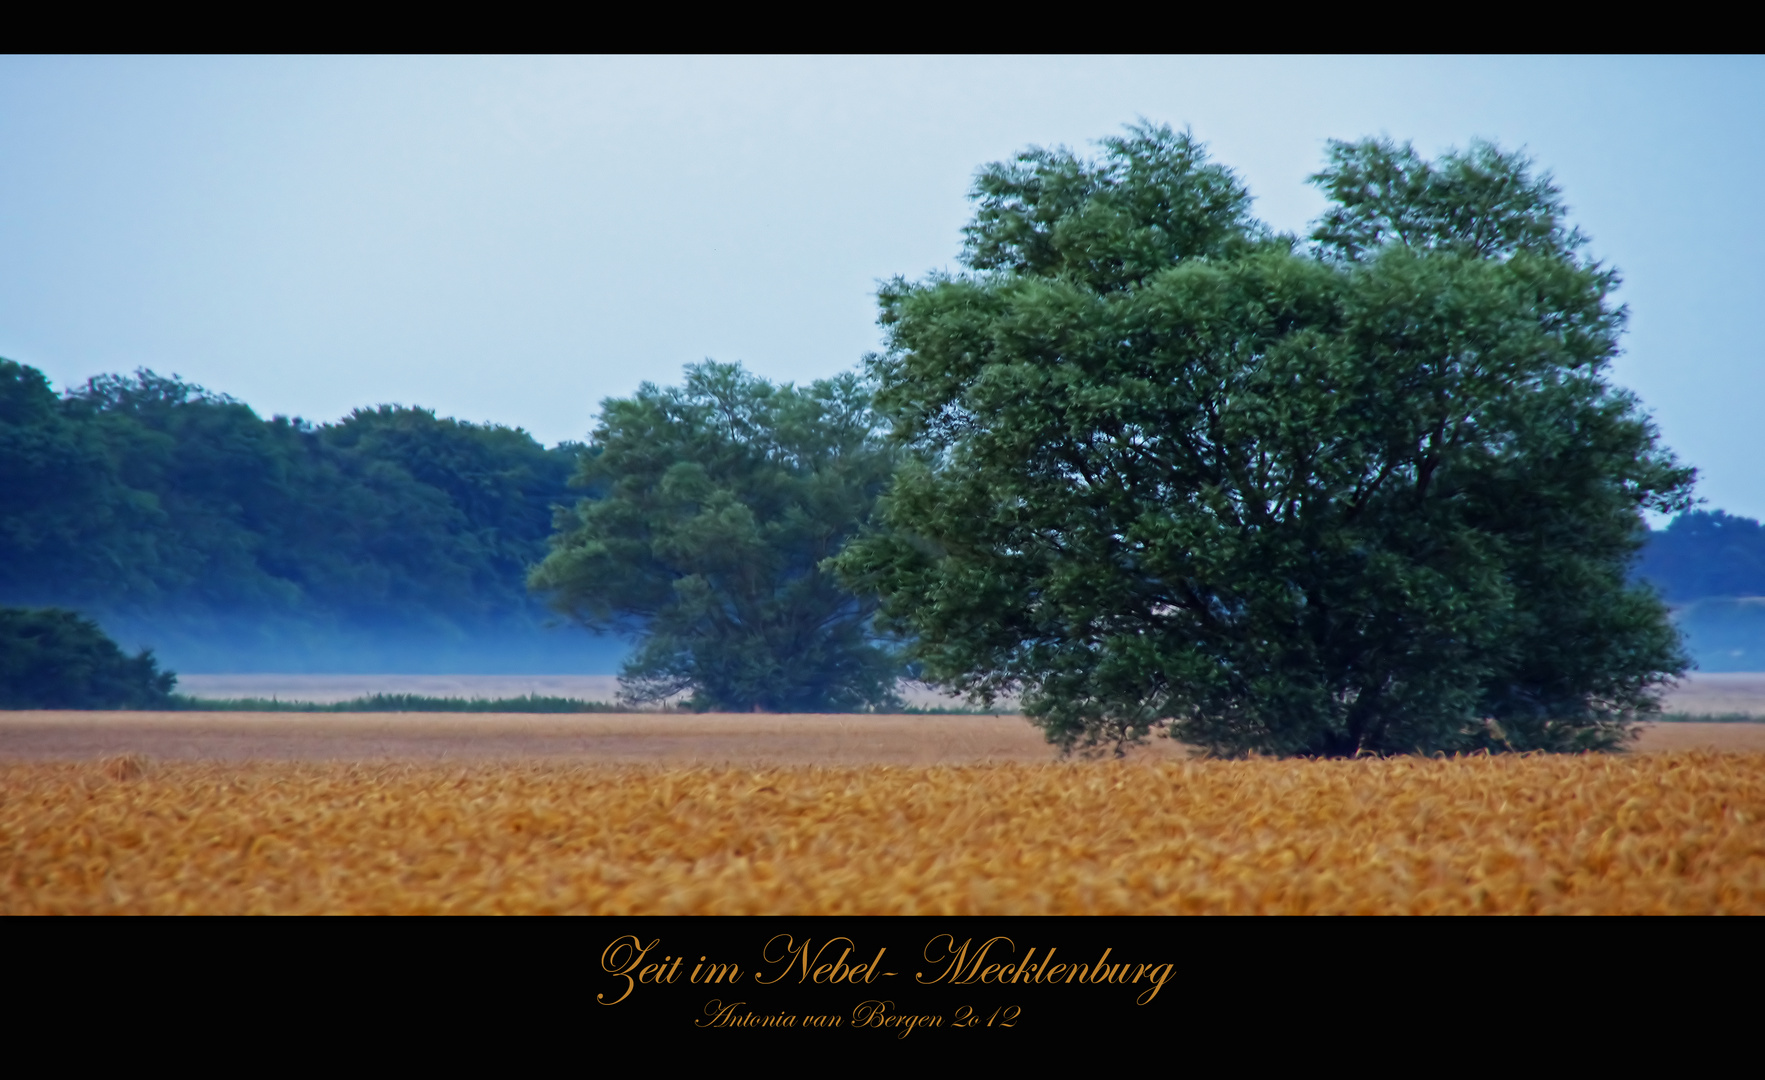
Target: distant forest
[(392, 540), (1710, 566), (398, 541)]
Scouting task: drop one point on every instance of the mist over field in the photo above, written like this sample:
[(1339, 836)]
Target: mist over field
[(248, 643), (1723, 634)]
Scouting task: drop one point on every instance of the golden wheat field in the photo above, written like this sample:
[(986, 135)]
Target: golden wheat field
[(1660, 833)]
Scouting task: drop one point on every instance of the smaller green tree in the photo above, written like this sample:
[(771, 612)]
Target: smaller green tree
[(719, 501), (55, 659)]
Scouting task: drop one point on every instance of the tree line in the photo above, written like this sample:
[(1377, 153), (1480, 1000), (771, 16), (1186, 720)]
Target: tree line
[(179, 517), (1145, 462), (1711, 567)]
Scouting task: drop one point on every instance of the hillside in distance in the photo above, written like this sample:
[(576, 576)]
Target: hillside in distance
[(389, 541)]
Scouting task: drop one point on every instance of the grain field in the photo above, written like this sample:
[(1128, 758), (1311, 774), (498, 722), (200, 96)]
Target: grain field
[(1677, 832)]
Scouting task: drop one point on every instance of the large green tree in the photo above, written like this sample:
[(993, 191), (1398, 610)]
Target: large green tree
[(1370, 494), (720, 500)]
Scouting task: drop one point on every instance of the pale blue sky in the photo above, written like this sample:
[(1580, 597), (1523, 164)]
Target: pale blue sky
[(516, 239)]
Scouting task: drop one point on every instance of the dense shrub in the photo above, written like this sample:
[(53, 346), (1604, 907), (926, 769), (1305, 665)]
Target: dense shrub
[(54, 659)]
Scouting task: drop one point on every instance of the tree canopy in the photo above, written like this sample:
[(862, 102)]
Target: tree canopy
[(1370, 493), (720, 500)]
